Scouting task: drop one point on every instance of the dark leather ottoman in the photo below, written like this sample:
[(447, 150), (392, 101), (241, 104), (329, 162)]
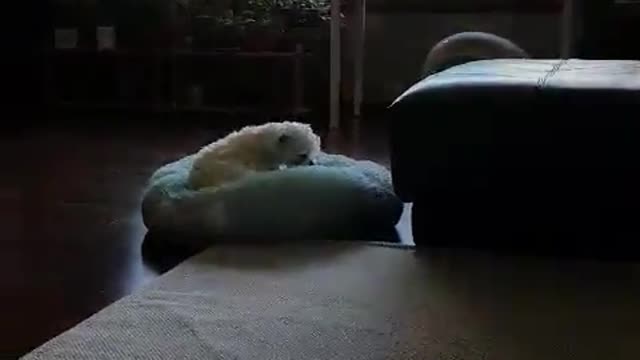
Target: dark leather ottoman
[(537, 155)]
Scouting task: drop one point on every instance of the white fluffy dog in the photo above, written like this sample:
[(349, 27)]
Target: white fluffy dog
[(254, 148)]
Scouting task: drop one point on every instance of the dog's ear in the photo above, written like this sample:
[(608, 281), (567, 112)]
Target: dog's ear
[(284, 138)]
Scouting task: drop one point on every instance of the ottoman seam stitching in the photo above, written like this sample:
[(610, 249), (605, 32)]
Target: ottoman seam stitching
[(542, 82)]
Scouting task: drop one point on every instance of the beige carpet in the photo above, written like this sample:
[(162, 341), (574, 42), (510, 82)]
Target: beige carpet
[(346, 301)]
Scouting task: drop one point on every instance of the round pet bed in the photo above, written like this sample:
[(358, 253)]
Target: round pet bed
[(337, 197)]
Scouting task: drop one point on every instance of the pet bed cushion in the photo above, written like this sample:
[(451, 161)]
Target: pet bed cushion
[(337, 197)]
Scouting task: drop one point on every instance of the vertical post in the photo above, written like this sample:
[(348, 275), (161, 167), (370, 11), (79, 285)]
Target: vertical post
[(49, 64), (596, 25), (567, 26), (298, 83), (358, 64), (172, 60), (334, 77)]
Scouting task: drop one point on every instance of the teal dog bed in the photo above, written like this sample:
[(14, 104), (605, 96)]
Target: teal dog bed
[(338, 197)]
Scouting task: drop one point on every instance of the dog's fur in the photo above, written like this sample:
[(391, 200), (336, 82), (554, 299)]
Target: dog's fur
[(254, 148)]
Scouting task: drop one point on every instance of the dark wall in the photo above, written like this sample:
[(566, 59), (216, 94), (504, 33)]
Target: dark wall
[(397, 43), (594, 28), (610, 30), (459, 6), (22, 54)]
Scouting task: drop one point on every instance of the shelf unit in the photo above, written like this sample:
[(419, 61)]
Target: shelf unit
[(163, 72)]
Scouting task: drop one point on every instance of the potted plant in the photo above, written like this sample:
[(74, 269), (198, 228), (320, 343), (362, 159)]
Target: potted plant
[(229, 32), (142, 23), (261, 33), (214, 25), (306, 21), (73, 18), (222, 32), (305, 13)]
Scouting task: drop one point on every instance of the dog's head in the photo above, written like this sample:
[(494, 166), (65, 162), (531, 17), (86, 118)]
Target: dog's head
[(296, 144)]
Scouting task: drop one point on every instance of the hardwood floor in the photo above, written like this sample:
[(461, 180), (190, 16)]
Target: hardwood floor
[(71, 225)]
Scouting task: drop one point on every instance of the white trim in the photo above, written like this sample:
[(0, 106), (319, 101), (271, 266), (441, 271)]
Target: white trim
[(567, 29), (359, 29), (335, 76)]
